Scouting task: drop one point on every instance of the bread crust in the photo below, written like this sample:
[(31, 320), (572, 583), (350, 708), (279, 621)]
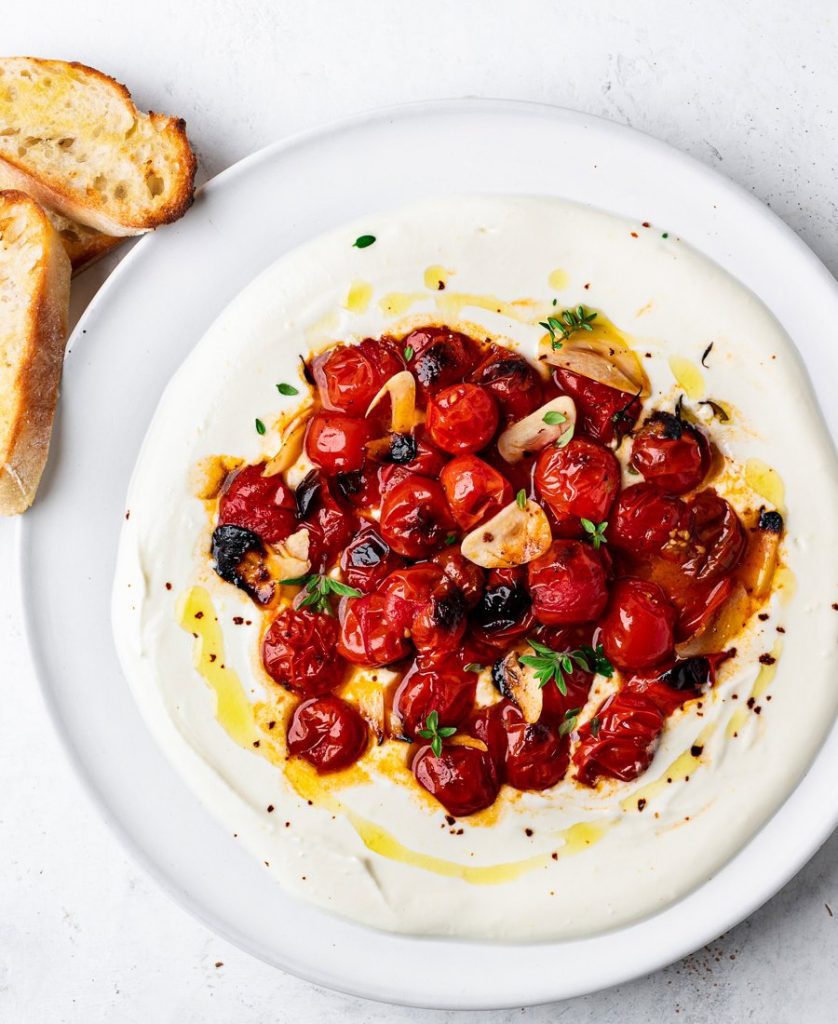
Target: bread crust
[(52, 192), (25, 449)]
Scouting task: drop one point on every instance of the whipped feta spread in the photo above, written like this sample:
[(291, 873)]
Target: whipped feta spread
[(371, 846)]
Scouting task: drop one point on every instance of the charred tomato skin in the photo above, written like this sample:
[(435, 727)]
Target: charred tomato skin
[(422, 601), (299, 652), (568, 583), (262, 504), (463, 779), (475, 490), (462, 419), (604, 413), (337, 443), (578, 481), (427, 461), (328, 733), (441, 357), (467, 577), (638, 628), (415, 519), (672, 454), (348, 377), (367, 560)]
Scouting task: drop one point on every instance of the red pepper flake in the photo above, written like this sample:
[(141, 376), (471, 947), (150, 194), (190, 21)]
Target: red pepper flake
[(767, 659), (751, 702), (641, 803), (212, 658), (696, 750), (238, 620), (199, 615), (270, 808), (586, 287), (763, 616), (835, 606), (528, 831), (271, 725), (128, 514), (168, 586), (450, 819), (757, 710), (257, 743), (646, 224), (219, 963), (248, 622), (288, 824), (780, 629), (555, 856), (634, 234)]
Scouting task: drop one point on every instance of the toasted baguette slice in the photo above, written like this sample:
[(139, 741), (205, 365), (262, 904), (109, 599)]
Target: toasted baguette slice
[(72, 138), (84, 245), (34, 307)]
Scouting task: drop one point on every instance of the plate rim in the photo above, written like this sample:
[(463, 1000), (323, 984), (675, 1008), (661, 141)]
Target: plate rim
[(760, 893)]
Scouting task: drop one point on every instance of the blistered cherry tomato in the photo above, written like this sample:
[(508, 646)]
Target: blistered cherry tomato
[(514, 383), (536, 755), (328, 733), (467, 577), (603, 413), (261, 504), (424, 602), (670, 453), (503, 613), (647, 521), (568, 583), (415, 519), (683, 681), (329, 521), (578, 481), (620, 740), (446, 689), (337, 443), (475, 491), (462, 419), (718, 537), (360, 488), (426, 460), (440, 357), (366, 636), (299, 651), (638, 629), (348, 377), (463, 779), (367, 560)]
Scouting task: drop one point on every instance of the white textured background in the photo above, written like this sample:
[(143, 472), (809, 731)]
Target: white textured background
[(749, 88)]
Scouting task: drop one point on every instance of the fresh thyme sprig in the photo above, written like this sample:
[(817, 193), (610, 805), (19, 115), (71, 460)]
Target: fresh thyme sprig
[(550, 665), (596, 531), (318, 588), (569, 720), (435, 732), (562, 326)]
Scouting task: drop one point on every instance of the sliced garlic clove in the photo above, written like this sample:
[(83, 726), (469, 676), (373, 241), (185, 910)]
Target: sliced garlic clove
[(514, 536), (291, 445), (401, 388), (519, 683), (532, 433), (291, 556), (606, 360)]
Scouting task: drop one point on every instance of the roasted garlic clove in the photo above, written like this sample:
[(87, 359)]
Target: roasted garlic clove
[(514, 536), (540, 428)]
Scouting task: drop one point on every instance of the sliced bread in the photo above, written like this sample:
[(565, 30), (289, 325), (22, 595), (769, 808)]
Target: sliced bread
[(73, 139), (34, 306)]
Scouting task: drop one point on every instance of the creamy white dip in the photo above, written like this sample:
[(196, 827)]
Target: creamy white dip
[(569, 861)]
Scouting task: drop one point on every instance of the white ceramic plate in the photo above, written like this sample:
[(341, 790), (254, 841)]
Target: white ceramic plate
[(156, 306)]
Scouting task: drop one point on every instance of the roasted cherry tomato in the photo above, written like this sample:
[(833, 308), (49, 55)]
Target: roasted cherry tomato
[(329, 521), (568, 583), (337, 443), (718, 537), (360, 488), (367, 560), (620, 740), (645, 521), (415, 519), (423, 601), (683, 681), (446, 689), (261, 504), (475, 491), (670, 453), (299, 651), (463, 779), (366, 636), (603, 412), (462, 419), (577, 682), (578, 481), (440, 357), (425, 459), (467, 577), (638, 629), (348, 377), (698, 602), (504, 612), (536, 755), (328, 733), (514, 383)]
